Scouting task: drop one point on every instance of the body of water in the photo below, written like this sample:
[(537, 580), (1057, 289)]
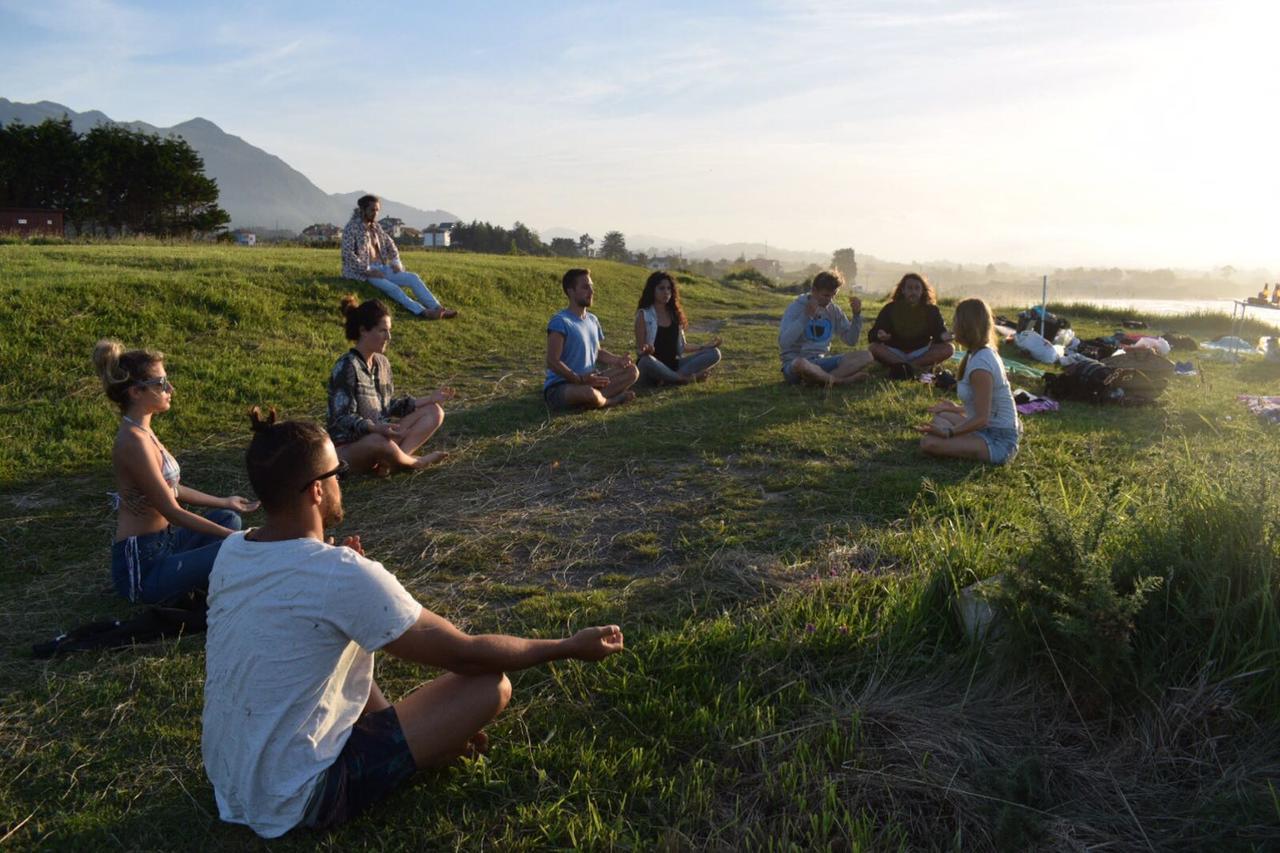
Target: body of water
[(1164, 307)]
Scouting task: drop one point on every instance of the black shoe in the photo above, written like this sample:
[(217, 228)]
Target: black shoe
[(901, 371)]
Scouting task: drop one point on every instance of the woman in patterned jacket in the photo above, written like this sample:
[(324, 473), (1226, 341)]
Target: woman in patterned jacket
[(372, 429)]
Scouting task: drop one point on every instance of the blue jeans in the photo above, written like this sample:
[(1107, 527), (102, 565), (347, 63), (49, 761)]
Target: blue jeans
[(156, 568), (653, 371), (392, 282)]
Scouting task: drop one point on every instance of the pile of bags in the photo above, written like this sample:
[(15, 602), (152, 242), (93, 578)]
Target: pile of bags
[(1134, 378)]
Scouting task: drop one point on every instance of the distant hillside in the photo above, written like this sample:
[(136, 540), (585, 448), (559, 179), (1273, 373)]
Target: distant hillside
[(258, 189)]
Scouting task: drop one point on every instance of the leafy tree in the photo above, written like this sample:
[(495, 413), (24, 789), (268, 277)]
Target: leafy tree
[(496, 240), (748, 275), (565, 247), (585, 242), (111, 178), (614, 247), (846, 262), (40, 166)]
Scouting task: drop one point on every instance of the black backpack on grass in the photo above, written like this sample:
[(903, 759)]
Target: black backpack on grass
[(1086, 381), (155, 623), (1030, 319), (1142, 374), (1135, 378)]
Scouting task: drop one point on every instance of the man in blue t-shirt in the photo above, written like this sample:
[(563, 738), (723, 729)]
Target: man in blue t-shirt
[(574, 355)]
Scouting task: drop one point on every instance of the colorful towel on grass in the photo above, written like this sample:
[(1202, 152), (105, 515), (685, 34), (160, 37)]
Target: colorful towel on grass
[(1035, 407), (1266, 408), (1011, 366)]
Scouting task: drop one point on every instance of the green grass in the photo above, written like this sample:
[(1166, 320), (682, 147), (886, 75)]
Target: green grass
[(784, 562)]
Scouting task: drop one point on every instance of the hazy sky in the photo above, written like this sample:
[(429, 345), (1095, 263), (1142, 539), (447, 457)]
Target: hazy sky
[(1065, 133)]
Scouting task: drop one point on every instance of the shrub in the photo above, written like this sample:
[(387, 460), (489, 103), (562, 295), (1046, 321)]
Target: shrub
[(1066, 607)]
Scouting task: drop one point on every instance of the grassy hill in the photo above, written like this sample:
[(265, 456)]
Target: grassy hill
[(784, 562)]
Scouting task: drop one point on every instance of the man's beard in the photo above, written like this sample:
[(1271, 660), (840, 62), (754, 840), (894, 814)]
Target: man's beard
[(331, 508)]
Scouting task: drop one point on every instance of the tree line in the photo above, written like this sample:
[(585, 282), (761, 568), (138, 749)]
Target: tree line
[(519, 239), (110, 180)]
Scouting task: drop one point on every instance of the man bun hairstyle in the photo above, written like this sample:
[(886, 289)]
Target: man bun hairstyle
[(828, 280), (282, 455), (358, 317), (572, 276), (120, 369)]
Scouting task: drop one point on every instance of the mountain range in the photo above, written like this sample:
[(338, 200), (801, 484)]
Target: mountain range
[(258, 189)]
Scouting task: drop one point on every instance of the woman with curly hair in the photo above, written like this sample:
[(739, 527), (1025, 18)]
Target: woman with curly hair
[(162, 551), (661, 353)]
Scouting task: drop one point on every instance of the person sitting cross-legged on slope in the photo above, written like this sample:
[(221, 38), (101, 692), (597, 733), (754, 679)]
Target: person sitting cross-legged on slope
[(296, 732), (661, 354), (986, 427), (162, 551), (362, 402), (369, 254), (804, 336), (909, 335), (574, 353)]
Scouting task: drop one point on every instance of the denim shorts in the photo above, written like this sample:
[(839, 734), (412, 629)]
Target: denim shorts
[(826, 362), (375, 761), (553, 396), (1002, 443)]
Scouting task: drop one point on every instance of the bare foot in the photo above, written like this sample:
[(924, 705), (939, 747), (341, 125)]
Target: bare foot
[(702, 377), (448, 313), (477, 745), (431, 458), (620, 399), (849, 380), (379, 470)]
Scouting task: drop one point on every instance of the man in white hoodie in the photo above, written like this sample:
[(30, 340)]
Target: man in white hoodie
[(805, 334)]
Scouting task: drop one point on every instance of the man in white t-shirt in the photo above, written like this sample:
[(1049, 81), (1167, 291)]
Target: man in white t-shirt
[(296, 731)]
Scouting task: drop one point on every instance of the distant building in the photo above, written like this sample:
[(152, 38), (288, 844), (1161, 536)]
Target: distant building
[(665, 262), (245, 238), (321, 233), (439, 236), (768, 266), (391, 225), (31, 221), (409, 235)]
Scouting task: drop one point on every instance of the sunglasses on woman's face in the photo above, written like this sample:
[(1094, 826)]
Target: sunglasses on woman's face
[(340, 471), (161, 382)]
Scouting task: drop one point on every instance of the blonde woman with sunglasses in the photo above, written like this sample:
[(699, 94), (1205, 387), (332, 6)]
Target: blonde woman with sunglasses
[(161, 551)]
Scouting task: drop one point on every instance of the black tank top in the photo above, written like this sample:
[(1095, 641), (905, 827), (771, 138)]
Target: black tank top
[(665, 343)]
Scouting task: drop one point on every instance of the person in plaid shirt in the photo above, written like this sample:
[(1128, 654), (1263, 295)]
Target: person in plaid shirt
[(373, 429), (369, 254)]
